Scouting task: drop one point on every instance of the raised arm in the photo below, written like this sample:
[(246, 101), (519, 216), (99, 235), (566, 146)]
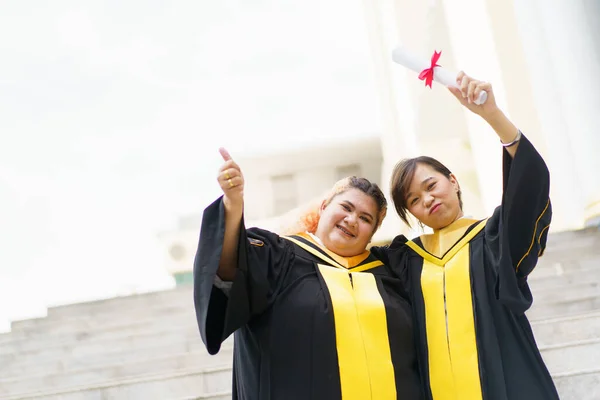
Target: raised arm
[(525, 213), (469, 91), (252, 260), (517, 231), (232, 184)]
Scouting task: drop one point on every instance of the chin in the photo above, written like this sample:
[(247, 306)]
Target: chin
[(436, 224), (348, 253)]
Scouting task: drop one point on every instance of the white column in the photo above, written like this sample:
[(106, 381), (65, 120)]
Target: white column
[(574, 52), (566, 192), (474, 52), (398, 138)]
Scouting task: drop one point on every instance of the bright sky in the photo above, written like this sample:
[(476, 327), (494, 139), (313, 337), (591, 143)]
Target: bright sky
[(111, 114)]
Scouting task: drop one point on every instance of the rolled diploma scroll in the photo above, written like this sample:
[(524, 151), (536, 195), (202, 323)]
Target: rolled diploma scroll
[(401, 56)]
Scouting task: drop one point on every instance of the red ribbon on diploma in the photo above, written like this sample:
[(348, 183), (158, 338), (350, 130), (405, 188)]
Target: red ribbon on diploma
[(427, 74)]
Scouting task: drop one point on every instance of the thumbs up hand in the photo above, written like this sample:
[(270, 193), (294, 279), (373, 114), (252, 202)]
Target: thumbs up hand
[(231, 180)]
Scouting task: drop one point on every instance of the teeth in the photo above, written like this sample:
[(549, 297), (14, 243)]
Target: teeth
[(345, 231)]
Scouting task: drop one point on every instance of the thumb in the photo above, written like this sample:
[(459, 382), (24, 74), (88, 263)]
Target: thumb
[(456, 92), (225, 154)]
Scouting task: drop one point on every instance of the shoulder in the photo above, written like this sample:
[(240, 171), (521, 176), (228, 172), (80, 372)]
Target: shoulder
[(398, 243), (258, 238), (388, 252)]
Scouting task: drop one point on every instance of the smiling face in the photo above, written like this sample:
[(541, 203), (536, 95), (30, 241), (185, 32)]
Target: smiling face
[(348, 222), (433, 198)]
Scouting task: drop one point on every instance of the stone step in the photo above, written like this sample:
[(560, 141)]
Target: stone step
[(559, 358), (566, 329), (579, 385), (565, 292), (53, 379), (48, 326), (173, 300), (183, 297), (182, 383), (588, 236), (570, 256), (547, 265), (28, 345), (53, 328), (79, 334), (556, 330), (66, 333), (575, 305), (123, 302), (574, 356), (554, 354), (560, 280), (571, 252), (188, 334), (91, 346), (17, 366), (21, 342)]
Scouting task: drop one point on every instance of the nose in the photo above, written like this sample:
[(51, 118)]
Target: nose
[(351, 219), (428, 199)]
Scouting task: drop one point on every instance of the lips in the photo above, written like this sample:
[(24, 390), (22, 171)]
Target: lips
[(345, 231), (434, 208)]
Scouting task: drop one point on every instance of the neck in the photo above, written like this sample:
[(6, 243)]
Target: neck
[(458, 216), (316, 238), (442, 240)]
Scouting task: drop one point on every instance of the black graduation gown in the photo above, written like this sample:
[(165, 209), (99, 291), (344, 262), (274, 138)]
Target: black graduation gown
[(475, 341), (306, 326)]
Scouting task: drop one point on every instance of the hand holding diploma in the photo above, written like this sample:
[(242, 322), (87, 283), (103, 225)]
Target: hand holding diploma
[(468, 90), (431, 71), (475, 95)]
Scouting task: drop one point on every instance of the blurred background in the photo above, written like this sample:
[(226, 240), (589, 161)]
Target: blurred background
[(112, 113)]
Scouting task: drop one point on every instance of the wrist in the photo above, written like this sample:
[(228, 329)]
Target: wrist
[(233, 205), (494, 117)]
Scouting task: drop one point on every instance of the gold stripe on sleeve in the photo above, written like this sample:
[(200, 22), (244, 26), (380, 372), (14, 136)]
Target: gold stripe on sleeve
[(535, 229)]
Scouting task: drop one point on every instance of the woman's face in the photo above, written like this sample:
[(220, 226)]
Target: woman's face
[(348, 222), (433, 198)]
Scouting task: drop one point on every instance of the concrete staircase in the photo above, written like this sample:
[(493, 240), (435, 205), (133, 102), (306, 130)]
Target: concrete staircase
[(148, 347)]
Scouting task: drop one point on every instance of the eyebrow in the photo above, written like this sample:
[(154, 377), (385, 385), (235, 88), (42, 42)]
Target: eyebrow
[(422, 184), (353, 206)]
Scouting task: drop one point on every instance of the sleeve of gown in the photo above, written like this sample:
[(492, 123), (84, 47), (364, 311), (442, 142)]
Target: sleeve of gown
[(517, 231), (263, 259), (395, 257)]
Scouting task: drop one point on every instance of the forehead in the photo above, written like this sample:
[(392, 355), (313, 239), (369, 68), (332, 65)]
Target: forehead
[(359, 199), (422, 172)]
